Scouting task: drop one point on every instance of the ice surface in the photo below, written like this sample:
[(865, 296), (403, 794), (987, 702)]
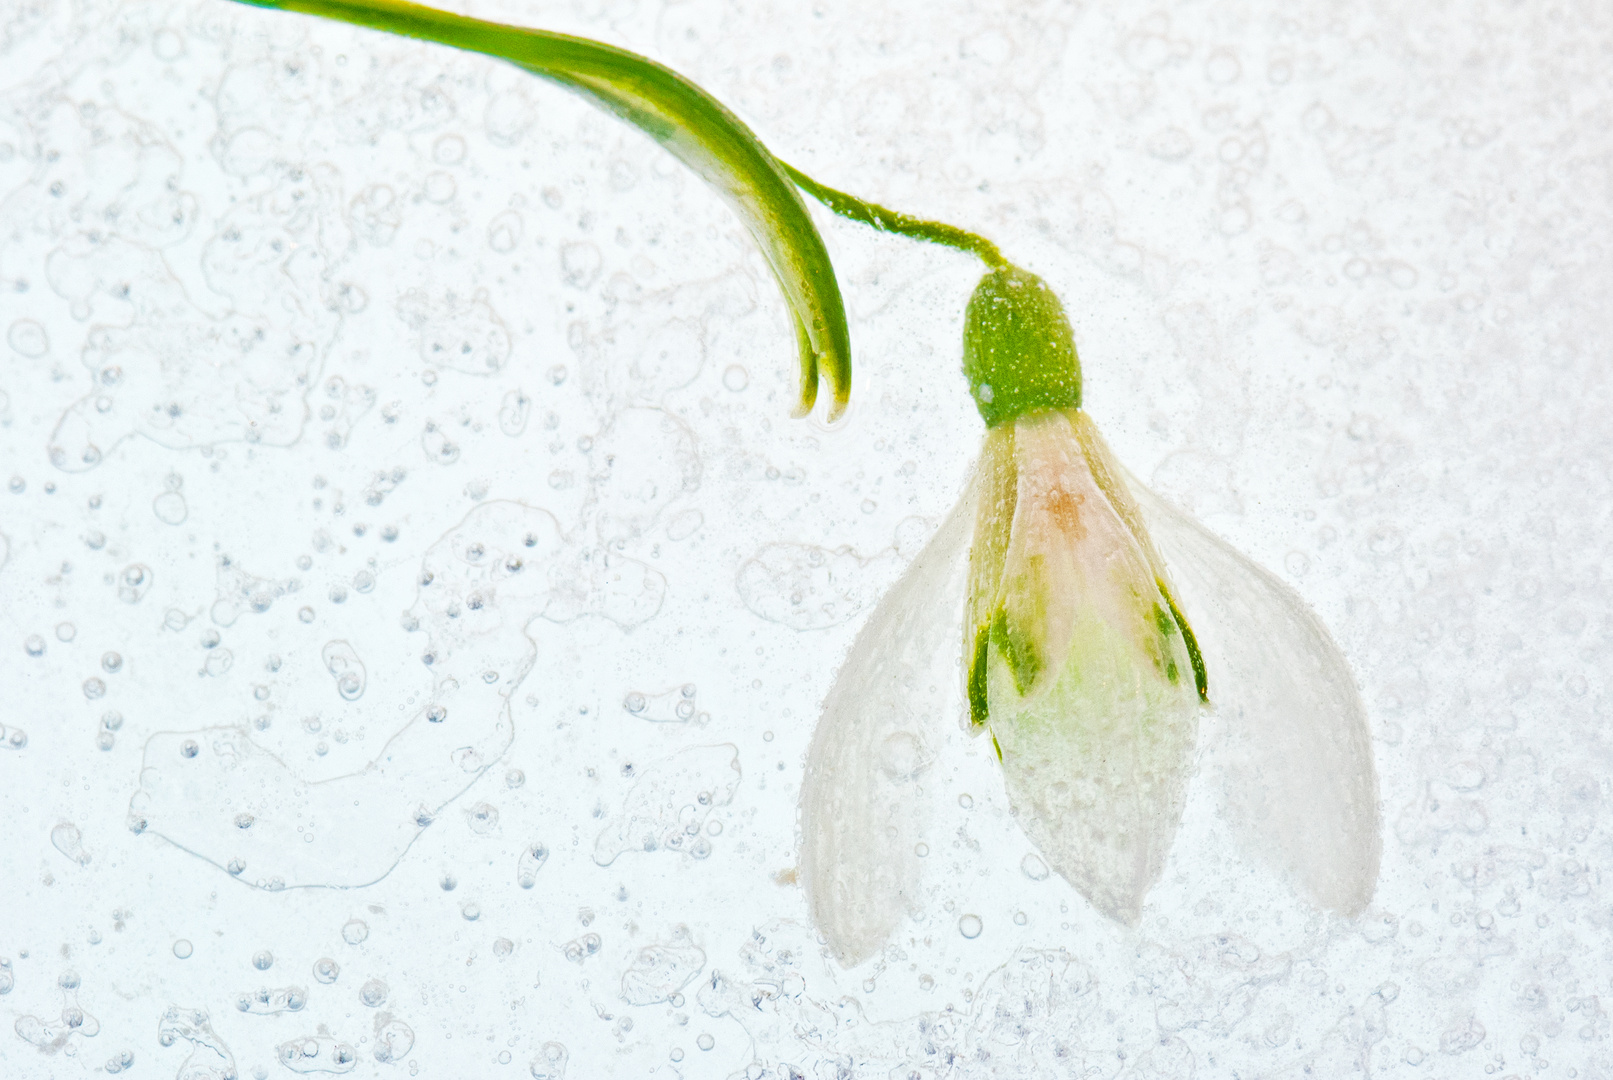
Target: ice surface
[(289, 312)]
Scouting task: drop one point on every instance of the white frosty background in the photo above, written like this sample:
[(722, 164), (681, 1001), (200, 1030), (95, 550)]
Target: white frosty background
[(283, 303)]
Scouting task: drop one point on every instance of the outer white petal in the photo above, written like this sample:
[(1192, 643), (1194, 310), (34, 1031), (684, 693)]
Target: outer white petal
[(1296, 762), (862, 804)]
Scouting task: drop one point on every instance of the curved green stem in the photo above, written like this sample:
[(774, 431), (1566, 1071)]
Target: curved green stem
[(893, 221), (702, 133), (694, 126)]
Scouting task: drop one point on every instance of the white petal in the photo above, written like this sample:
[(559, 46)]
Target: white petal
[(1096, 758), (862, 805), (1296, 764)]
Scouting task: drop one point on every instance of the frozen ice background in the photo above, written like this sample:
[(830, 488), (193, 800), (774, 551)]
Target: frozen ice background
[(415, 601)]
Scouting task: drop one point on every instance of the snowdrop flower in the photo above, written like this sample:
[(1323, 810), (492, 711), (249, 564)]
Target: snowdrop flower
[(1082, 662), (1089, 668)]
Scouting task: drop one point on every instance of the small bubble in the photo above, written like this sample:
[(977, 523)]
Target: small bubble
[(104, 740), (189, 749), (34, 645), (111, 663), (966, 801), (436, 714), (970, 926), (514, 778), (263, 960), (18, 485), (355, 931), (1020, 918), (503, 947), (471, 912), (531, 861), (183, 949), (94, 688), (66, 631), (68, 980), (705, 1041), (735, 378), (1033, 867), (363, 581), (326, 970), (338, 594), (306, 614), (244, 821), (373, 993), (389, 533)]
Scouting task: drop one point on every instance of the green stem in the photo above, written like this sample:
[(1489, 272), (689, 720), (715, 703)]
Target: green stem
[(702, 133), (691, 124), (893, 221)]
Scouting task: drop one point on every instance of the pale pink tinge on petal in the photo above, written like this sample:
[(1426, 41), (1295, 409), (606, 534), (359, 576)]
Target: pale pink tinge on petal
[(1097, 753)]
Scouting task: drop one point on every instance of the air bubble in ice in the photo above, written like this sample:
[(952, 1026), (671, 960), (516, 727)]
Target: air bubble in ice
[(373, 993), (134, 582), (549, 1063), (346, 668), (482, 818), (393, 1040), (970, 926), (263, 960), (170, 508), (34, 645), (582, 948), (272, 1002), (326, 970), (530, 862), (317, 1054), (67, 839), (355, 931)]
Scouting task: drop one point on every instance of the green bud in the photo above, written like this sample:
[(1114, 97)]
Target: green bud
[(1018, 351)]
